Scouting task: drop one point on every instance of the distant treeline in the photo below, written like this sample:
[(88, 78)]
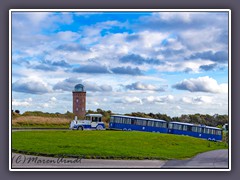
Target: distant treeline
[(215, 120)]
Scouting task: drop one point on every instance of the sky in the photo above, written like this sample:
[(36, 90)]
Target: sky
[(171, 63)]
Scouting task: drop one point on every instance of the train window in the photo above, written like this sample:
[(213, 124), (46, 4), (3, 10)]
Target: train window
[(184, 127), (199, 130), (150, 123), (134, 121), (170, 126), (214, 131), (121, 120), (179, 127), (194, 129), (164, 125), (207, 131), (118, 120), (144, 122), (156, 124), (139, 122), (112, 119), (219, 132), (126, 121)]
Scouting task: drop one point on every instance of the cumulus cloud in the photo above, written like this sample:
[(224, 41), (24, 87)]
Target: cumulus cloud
[(142, 86), (131, 100), (69, 84), (159, 99), (197, 100), (20, 103), (90, 86), (31, 86), (201, 84), (53, 99), (67, 35)]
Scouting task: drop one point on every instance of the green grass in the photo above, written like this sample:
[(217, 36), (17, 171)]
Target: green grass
[(110, 144)]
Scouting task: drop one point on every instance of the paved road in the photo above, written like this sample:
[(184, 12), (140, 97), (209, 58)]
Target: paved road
[(211, 159)]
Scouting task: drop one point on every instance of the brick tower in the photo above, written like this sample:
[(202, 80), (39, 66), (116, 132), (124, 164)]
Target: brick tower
[(79, 101)]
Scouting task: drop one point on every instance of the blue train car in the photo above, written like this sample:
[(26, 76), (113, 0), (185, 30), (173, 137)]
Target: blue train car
[(130, 123), (199, 131)]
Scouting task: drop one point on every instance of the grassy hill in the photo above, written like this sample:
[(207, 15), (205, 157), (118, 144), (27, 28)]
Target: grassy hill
[(40, 122), (110, 144)]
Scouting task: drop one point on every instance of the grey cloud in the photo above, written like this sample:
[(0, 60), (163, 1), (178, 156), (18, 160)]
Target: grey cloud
[(139, 60), (31, 87), (47, 65), (132, 37), (188, 70), (67, 84), (126, 70), (44, 67), (142, 86), (171, 52), (219, 56), (72, 48), (196, 20), (94, 87), (61, 63), (208, 67), (98, 69), (94, 69)]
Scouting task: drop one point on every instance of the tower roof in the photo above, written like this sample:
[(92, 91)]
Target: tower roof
[(79, 88)]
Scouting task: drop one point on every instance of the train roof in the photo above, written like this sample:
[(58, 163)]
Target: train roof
[(94, 115), (134, 117), (175, 122), (198, 125)]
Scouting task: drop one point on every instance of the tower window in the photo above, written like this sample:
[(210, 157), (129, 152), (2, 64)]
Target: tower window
[(77, 100), (76, 109), (82, 109)]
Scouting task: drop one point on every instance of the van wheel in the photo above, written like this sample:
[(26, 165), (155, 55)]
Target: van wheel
[(80, 128), (99, 127)]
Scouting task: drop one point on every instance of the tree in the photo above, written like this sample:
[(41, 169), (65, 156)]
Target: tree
[(17, 111)]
